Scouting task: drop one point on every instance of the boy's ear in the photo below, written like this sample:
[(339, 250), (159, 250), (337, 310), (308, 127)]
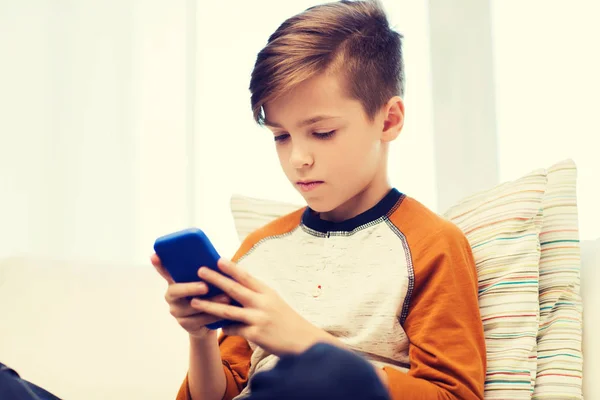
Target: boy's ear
[(393, 119)]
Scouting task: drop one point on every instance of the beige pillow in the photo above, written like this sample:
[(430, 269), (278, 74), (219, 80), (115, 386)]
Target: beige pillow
[(502, 225), (250, 213)]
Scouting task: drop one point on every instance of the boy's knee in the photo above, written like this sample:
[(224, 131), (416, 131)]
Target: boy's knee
[(323, 371)]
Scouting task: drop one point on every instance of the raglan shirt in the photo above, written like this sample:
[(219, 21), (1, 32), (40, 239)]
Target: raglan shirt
[(397, 284)]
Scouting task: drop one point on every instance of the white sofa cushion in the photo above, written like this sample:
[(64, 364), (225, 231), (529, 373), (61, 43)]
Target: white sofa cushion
[(90, 331), (590, 292)]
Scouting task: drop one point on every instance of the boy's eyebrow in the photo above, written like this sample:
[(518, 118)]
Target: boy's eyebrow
[(304, 123)]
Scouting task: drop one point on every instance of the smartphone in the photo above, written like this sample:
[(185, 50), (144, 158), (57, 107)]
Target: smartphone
[(182, 253)]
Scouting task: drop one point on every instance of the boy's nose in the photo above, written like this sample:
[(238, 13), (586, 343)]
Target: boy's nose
[(301, 158)]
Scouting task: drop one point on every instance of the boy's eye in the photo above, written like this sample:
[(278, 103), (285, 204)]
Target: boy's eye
[(280, 138), (324, 135)]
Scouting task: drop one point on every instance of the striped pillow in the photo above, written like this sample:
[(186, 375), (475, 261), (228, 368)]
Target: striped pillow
[(560, 361), (503, 225)]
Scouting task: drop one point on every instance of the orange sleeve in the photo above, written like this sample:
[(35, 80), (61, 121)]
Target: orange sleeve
[(184, 391), (235, 354), (443, 324)]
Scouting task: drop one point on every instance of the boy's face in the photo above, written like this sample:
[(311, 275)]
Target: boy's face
[(327, 147)]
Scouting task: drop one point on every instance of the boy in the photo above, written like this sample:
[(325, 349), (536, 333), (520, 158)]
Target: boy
[(362, 267)]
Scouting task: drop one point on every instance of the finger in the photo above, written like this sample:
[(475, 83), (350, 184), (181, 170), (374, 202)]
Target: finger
[(234, 289), (193, 323), (236, 330), (178, 290), (159, 267), (241, 275), (184, 309), (225, 311)]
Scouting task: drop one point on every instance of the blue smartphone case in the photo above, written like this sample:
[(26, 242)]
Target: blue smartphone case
[(183, 253)]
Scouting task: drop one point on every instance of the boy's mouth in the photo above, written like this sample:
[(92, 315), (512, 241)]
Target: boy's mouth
[(307, 186)]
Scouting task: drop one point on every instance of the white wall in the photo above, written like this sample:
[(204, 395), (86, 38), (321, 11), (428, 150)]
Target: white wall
[(548, 86), (94, 127), (464, 101), (122, 120)]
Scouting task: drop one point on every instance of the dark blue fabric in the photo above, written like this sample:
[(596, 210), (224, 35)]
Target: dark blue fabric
[(12, 387), (312, 220), (323, 372)]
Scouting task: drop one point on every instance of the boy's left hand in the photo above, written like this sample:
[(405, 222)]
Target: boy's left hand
[(265, 318)]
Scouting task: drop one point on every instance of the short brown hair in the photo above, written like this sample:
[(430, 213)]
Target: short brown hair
[(353, 37)]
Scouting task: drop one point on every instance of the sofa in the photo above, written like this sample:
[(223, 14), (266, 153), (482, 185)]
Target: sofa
[(87, 331)]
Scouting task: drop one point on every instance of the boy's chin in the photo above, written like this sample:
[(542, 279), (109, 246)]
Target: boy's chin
[(320, 202), (319, 205)]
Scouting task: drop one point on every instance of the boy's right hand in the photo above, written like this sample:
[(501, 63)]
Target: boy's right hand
[(177, 297)]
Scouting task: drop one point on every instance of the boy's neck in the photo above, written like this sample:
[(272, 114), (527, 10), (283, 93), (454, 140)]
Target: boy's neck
[(361, 202)]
